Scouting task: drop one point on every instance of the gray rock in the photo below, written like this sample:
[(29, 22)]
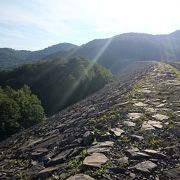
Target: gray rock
[(45, 173), (137, 138), (134, 116), (145, 91), (95, 160), (173, 173), (124, 160), (146, 126), (129, 124), (150, 110), (80, 177), (155, 154), (60, 157), (145, 166), (37, 153), (101, 147), (160, 117), (117, 131), (134, 153), (88, 138), (140, 104)]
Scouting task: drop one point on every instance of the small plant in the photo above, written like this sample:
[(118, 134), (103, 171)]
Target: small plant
[(19, 162), (75, 162), (171, 125), (97, 173), (20, 175), (153, 142), (134, 144), (177, 165), (84, 153), (142, 117), (124, 139)]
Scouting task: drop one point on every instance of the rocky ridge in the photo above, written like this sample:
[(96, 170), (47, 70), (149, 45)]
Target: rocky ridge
[(128, 130)]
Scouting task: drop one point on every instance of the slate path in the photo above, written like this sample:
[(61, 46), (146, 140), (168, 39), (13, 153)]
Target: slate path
[(128, 130)]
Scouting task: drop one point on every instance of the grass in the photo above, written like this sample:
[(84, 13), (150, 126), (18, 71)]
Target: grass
[(98, 172), (153, 142)]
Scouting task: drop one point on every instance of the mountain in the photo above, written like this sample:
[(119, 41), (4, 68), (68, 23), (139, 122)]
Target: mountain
[(58, 83), (128, 130), (50, 50), (10, 57), (116, 52)]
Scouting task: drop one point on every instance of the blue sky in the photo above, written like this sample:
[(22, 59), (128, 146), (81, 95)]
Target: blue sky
[(36, 24)]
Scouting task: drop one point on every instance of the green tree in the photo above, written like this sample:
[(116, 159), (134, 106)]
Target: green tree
[(18, 110)]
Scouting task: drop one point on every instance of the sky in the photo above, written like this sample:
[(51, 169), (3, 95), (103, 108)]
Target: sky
[(36, 24)]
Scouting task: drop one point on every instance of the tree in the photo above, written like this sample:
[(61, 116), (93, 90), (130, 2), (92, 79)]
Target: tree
[(18, 110)]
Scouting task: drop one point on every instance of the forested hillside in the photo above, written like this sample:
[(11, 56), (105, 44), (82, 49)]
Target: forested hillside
[(58, 83)]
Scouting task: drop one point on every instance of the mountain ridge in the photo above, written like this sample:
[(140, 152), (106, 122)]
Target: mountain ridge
[(11, 57), (127, 130), (114, 53)]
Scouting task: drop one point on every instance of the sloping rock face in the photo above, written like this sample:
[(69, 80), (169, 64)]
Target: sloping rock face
[(128, 130)]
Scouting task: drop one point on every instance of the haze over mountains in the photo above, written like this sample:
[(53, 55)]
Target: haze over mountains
[(112, 53)]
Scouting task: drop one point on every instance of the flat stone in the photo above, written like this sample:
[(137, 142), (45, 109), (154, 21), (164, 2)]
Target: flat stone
[(105, 144), (149, 109), (145, 91), (156, 124), (173, 173), (31, 143), (136, 137), (161, 105), (155, 154), (140, 104), (123, 160), (39, 153), (98, 150), (146, 126), (134, 153), (145, 166), (60, 157), (122, 104), (95, 160), (134, 116), (117, 131), (80, 177), (160, 117), (101, 147), (129, 124), (47, 171)]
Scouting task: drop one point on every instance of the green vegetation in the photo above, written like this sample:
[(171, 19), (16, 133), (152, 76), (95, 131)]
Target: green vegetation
[(153, 142), (58, 84), (176, 71), (18, 110)]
